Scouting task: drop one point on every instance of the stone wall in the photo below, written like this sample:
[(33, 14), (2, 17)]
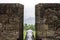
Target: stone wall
[(11, 21), (47, 21)]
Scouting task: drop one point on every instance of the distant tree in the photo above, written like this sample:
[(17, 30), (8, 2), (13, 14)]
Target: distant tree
[(26, 27)]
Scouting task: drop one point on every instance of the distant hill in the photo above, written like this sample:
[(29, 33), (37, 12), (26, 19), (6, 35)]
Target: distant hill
[(30, 20)]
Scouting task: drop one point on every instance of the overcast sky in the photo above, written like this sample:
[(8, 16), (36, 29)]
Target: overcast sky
[(29, 5)]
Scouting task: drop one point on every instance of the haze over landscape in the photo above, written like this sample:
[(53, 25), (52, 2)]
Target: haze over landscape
[(30, 20)]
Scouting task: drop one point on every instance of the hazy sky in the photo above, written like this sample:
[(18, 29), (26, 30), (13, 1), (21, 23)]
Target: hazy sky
[(29, 5)]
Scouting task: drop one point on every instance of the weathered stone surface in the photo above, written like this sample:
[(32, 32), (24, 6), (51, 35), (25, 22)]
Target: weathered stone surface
[(47, 21), (11, 21)]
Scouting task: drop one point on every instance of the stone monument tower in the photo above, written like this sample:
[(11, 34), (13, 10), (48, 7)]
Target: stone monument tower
[(11, 21), (47, 21)]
